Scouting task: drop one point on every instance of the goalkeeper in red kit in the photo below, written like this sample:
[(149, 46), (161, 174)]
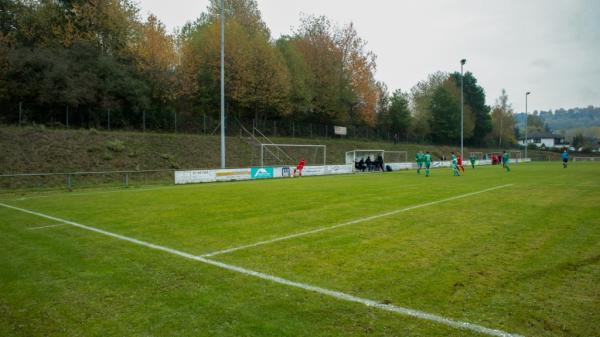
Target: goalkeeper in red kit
[(299, 167)]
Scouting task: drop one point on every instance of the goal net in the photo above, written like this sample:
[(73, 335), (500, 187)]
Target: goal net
[(515, 154), (586, 159), (291, 154), (477, 155)]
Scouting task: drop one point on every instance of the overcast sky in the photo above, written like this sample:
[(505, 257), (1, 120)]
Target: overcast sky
[(549, 47)]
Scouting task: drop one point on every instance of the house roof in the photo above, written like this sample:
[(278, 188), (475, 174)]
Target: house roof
[(542, 134)]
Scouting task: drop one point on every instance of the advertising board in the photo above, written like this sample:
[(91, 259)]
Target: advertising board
[(262, 173)]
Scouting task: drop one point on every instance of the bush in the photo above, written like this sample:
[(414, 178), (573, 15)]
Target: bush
[(115, 145)]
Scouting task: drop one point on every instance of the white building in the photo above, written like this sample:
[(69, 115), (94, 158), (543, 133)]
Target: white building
[(546, 140)]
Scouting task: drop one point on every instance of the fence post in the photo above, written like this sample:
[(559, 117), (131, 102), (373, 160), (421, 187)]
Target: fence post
[(175, 122), (20, 112), (126, 180), (69, 183), (108, 123)]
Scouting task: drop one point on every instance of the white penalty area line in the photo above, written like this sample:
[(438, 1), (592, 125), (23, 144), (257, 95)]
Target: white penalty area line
[(48, 226), (331, 293), (353, 222)]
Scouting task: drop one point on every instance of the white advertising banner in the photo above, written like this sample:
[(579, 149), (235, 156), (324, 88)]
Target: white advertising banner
[(338, 169), (313, 171), (283, 172), (232, 174), (340, 130), (194, 177), (400, 166)]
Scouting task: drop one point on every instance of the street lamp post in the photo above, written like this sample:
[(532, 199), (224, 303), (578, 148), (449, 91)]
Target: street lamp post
[(223, 84), (462, 108), (526, 140)]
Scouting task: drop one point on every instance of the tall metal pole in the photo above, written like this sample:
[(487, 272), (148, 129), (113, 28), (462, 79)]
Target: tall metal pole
[(462, 107), (223, 84), (526, 117)]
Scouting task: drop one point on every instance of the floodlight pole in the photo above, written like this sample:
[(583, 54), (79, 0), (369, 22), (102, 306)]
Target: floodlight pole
[(462, 107), (223, 84), (526, 117)]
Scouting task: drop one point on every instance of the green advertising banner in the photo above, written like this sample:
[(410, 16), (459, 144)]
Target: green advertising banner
[(261, 173)]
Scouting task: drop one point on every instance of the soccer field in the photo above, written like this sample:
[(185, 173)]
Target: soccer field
[(393, 254)]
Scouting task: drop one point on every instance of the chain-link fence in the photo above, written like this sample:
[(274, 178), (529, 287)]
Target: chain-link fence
[(24, 113)]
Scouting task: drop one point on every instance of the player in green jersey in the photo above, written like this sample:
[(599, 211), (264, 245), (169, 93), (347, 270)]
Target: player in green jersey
[(506, 161), (472, 159), (455, 166), (419, 159), (427, 159)]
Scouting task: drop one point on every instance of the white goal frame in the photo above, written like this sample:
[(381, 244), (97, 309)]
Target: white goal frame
[(518, 157), (265, 147), (480, 157)]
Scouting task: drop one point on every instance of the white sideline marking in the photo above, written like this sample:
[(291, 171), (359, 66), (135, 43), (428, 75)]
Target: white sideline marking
[(331, 293), (49, 226), (353, 222)]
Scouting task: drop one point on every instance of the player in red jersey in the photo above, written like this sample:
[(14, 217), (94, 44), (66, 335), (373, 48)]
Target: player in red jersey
[(459, 161), (299, 167)]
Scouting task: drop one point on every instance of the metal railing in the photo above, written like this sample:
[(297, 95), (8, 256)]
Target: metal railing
[(72, 180)]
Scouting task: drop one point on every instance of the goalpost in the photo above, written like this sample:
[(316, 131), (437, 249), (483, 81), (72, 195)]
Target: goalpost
[(291, 154)]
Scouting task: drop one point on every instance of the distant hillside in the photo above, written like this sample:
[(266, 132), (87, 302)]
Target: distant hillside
[(562, 119)]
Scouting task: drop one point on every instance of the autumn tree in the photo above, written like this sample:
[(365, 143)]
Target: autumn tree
[(503, 124), (358, 76), (474, 98), (446, 114), (420, 98), (155, 57), (301, 93), (256, 78)]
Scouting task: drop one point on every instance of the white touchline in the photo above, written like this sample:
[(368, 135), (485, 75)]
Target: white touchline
[(332, 293), (353, 222), (49, 226)]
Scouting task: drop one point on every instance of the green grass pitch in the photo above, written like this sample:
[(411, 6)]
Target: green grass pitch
[(523, 259)]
